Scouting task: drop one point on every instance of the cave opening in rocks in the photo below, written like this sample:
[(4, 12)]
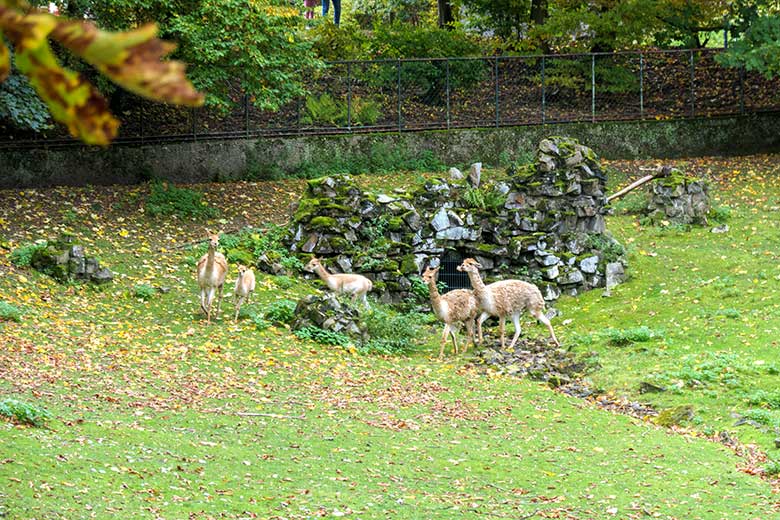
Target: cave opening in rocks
[(449, 274)]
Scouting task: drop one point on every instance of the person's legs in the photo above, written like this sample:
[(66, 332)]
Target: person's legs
[(325, 5), (336, 11)]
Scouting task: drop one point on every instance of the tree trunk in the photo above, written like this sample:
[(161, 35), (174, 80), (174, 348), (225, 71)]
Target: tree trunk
[(538, 11), (446, 19)]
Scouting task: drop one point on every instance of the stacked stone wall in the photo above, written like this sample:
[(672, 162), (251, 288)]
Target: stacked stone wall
[(544, 222)]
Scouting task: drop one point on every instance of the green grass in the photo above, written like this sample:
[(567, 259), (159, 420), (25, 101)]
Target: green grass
[(155, 414)]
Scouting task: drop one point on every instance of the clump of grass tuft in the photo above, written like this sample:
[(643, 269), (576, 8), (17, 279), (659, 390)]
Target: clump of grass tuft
[(144, 291), (623, 337), (766, 399), (323, 337), (281, 311), (22, 255), (24, 413), (9, 312), (772, 468), (166, 199)]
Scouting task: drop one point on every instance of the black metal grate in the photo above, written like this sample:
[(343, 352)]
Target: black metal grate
[(449, 273)]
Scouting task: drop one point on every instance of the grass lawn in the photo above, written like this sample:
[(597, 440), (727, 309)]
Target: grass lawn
[(157, 415)]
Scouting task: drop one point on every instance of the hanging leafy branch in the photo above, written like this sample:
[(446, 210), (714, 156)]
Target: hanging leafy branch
[(131, 59)]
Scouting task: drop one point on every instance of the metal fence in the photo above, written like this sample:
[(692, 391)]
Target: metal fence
[(419, 94)]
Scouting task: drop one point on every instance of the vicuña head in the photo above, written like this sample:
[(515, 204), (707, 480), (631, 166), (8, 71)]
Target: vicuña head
[(241, 270), (313, 264), (430, 273), (469, 265), (213, 238)]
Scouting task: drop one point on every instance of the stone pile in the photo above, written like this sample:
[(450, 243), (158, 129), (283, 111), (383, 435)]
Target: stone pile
[(544, 223), (64, 261), (327, 312), (678, 199), (533, 358)]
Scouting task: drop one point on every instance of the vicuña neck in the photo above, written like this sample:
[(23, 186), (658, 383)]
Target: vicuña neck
[(434, 291), (477, 284), (320, 269)]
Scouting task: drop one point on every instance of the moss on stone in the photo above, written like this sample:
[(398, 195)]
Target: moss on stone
[(323, 222), (408, 265)]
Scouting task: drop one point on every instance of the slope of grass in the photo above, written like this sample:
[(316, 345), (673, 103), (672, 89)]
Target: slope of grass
[(157, 415)]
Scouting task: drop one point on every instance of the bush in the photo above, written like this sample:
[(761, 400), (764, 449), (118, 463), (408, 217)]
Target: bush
[(720, 214), (281, 311), (144, 291), (323, 337), (22, 255), (772, 468), (622, 337), (425, 80), (166, 199), (9, 312), (391, 333), (260, 322), (24, 413)]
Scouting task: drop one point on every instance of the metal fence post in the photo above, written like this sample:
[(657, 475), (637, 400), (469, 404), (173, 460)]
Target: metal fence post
[(593, 88), (349, 95), (398, 93), (641, 85), (447, 68), (544, 119), (495, 77), (246, 114), (742, 90), (693, 90)]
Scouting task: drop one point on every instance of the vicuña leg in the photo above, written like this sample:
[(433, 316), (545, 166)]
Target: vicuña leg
[(539, 315), (516, 322)]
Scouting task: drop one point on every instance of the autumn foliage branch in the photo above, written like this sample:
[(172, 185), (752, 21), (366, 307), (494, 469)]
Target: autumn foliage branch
[(131, 59)]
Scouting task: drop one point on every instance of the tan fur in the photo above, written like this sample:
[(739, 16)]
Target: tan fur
[(453, 308), (212, 268), (506, 298), (352, 284), (245, 286)]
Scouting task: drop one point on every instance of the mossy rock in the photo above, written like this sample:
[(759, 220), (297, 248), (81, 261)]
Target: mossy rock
[(395, 223), (408, 265), (51, 260), (327, 223), (674, 416), (677, 178)]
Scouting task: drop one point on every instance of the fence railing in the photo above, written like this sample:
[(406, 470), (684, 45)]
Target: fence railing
[(444, 93)]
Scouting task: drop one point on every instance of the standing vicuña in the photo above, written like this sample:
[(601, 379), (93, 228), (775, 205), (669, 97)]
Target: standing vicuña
[(506, 298), (352, 284), (452, 308), (245, 286), (212, 268)]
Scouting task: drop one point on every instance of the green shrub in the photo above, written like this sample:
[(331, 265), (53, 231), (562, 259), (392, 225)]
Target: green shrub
[(9, 312), (323, 337), (622, 337), (772, 468), (391, 333), (165, 199), (260, 322), (706, 370), (281, 311), (24, 413), (761, 416), (22, 255), (767, 399), (285, 282), (720, 214), (144, 291)]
